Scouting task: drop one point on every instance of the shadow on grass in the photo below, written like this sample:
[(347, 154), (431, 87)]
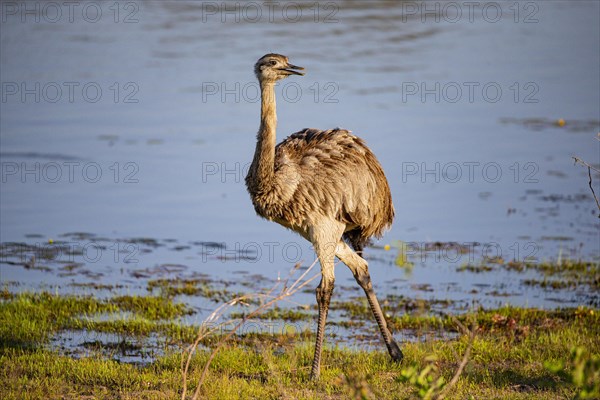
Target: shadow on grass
[(518, 381), (18, 344)]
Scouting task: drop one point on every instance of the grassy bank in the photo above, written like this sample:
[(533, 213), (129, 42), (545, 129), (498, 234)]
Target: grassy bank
[(515, 353)]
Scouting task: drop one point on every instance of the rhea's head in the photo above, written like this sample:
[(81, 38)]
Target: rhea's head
[(273, 67)]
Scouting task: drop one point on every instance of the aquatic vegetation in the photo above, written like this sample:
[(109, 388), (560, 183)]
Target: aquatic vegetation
[(190, 287), (516, 353), (502, 363), (30, 319), (277, 313), (81, 345)]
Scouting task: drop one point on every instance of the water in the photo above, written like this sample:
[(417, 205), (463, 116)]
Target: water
[(144, 128)]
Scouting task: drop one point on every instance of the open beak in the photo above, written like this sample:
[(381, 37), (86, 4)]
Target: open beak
[(293, 69)]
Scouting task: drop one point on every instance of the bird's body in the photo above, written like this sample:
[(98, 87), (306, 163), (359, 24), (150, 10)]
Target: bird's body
[(325, 185), (326, 173)]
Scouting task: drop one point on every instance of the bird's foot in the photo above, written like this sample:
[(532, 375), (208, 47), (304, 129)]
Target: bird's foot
[(395, 352)]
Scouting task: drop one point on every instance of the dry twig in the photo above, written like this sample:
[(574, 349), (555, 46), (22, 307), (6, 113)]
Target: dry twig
[(464, 361), (590, 168), (206, 329)]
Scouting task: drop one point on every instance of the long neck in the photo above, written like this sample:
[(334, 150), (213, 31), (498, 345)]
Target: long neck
[(263, 164)]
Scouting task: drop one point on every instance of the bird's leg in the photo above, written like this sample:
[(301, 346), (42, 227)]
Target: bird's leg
[(324, 241), (324, 291), (360, 270), (364, 280)]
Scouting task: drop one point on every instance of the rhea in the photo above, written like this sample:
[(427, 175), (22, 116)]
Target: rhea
[(325, 185)]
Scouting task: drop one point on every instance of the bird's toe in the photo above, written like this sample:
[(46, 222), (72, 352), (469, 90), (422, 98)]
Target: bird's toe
[(395, 352)]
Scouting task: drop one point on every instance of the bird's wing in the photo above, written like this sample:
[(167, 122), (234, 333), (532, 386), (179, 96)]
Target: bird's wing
[(333, 173)]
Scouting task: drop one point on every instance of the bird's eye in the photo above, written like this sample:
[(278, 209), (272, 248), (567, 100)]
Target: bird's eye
[(273, 62)]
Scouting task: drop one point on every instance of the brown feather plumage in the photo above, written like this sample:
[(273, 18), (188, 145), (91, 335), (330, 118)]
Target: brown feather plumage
[(332, 173)]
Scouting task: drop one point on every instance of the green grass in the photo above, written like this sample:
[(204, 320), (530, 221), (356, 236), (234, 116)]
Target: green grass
[(28, 319), (568, 273), (277, 313), (190, 287), (518, 353)]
